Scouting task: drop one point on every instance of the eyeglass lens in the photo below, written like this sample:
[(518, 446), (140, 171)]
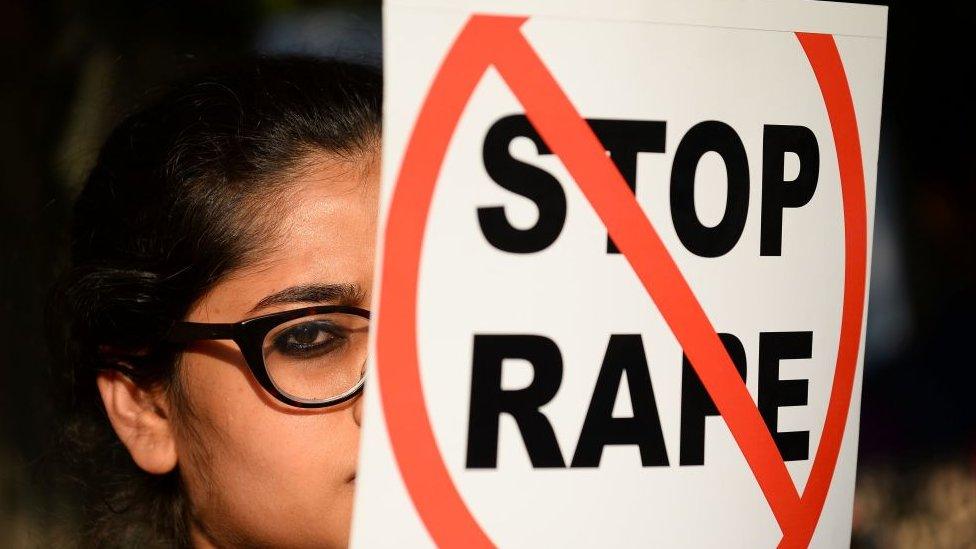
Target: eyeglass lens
[(318, 357)]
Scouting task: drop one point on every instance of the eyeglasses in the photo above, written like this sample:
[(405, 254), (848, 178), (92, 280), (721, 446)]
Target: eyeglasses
[(309, 358)]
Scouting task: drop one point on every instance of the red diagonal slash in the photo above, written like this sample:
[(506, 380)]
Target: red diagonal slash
[(496, 41)]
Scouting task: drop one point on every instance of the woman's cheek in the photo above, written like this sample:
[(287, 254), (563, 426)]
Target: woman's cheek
[(269, 472)]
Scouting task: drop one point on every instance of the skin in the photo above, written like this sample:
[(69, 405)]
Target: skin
[(257, 472)]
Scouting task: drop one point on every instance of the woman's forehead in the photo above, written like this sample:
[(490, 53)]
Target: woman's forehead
[(324, 228)]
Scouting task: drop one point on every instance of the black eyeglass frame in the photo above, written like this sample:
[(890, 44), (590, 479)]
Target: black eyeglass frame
[(249, 334)]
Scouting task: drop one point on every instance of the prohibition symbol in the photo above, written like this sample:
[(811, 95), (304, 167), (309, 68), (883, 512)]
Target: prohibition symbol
[(496, 41)]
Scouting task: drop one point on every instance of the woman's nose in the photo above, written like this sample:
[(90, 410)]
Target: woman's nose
[(357, 410)]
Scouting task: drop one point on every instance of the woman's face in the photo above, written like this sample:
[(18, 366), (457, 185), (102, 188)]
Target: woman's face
[(258, 472)]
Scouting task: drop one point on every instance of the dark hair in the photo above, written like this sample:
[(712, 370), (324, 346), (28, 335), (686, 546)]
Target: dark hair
[(173, 204)]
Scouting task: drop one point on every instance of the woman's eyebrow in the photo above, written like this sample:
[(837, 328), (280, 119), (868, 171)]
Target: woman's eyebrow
[(341, 294)]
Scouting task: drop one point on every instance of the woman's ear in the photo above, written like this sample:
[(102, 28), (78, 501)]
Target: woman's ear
[(142, 420)]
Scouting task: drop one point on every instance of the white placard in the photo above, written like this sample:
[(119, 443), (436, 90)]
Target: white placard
[(531, 386)]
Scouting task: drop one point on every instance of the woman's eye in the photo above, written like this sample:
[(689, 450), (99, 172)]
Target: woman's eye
[(309, 338), (305, 334)]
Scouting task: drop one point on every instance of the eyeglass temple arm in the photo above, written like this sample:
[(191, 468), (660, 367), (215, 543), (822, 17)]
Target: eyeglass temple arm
[(185, 332)]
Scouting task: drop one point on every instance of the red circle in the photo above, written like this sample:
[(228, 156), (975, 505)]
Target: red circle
[(422, 467)]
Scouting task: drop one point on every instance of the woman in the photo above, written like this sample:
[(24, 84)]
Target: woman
[(216, 310)]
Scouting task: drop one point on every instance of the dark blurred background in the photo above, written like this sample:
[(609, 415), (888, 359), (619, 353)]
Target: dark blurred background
[(71, 69)]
